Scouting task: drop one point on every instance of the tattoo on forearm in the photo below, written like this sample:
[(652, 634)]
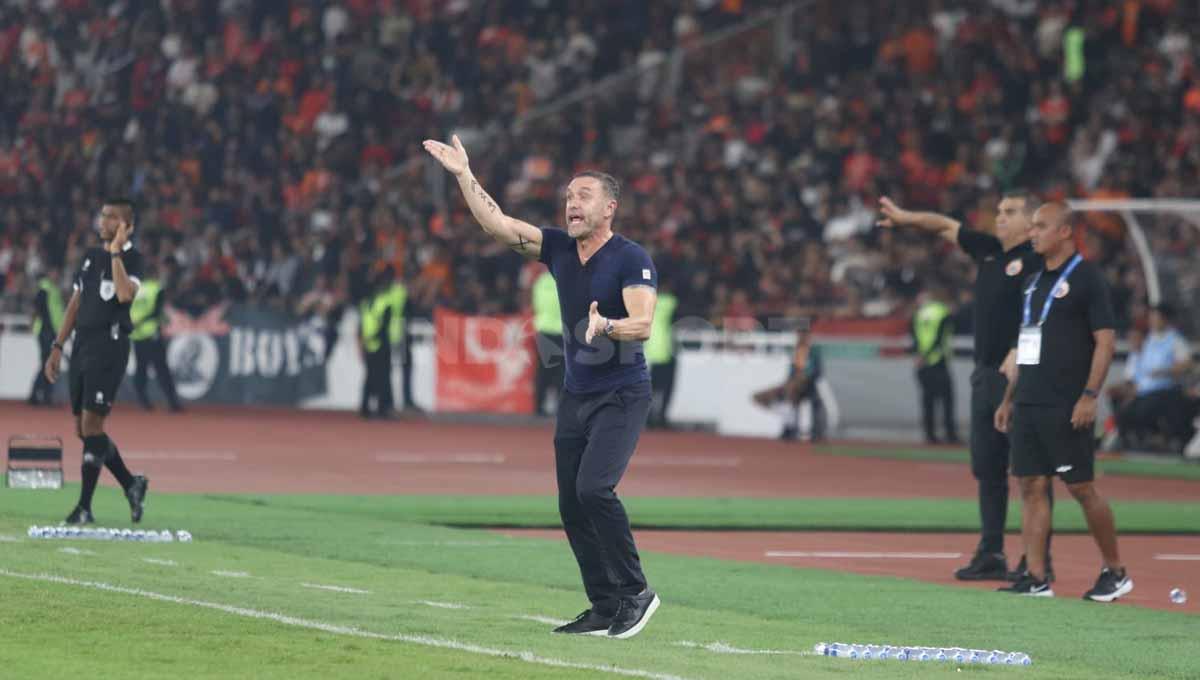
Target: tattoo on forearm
[(483, 196), (520, 244)]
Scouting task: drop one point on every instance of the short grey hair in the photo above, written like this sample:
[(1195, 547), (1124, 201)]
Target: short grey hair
[(611, 186)]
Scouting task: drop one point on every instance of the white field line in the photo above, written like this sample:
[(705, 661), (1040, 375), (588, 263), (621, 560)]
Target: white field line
[(722, 648), (687, 461), (334, 629), (336, 589), (160, 562), (440, 458), (1177, 558), (467, 544), (230, 574), (9, 539), (835, 555), (443, 605), (222, 456), (542, 619), (76, 551)]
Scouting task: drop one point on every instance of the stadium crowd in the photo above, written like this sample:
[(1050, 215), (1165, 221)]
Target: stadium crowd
[(273, 147)]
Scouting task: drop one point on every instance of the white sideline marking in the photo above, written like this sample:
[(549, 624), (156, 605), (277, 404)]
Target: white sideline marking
[(1178, 558), (867, 555), (165, 563), (443, 605), (542, 619), (226, 456), (468, 544), (336, 589), (441, 458), (687, 461), (722, 648), (10, 539), (528, 657), (230, 574), (76, 551)]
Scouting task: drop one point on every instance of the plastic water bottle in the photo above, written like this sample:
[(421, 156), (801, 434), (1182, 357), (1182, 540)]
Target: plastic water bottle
[(1178, 596)]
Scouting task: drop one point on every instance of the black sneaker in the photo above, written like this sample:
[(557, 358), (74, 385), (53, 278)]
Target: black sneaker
[(1109, 586), (136, 494), (633, 614), (1028, 586), (587, 623), (1022, 570), (80, 515), (984, 567)]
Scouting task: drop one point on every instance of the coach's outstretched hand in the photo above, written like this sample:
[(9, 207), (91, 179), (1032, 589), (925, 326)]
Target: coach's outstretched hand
[(453, 158), (893, 215)]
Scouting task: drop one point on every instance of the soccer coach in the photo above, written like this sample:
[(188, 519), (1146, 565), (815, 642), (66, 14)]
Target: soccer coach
[(1064, 350), (607, 291)]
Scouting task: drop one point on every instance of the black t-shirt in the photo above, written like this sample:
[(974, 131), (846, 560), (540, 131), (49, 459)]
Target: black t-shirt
[(1067, 341), (620, 263), (98, 304), (998, 289)]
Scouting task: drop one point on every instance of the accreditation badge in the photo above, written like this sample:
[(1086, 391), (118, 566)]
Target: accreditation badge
[(1029, 346)]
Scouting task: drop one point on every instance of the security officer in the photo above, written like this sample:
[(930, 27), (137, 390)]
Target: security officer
[(375, 333), (399, 337), (105, 284), (932, 329), (47, 319), (547, 323), (1003, 259), (148, 345), (660, 354)]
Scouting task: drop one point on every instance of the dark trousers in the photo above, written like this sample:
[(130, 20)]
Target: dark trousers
[(42, 391), (936, 387), (152, 353), (405, 371), (549, 369), (990, 458), (662, 377), (594, 438), (1161, 412), (377, 387)]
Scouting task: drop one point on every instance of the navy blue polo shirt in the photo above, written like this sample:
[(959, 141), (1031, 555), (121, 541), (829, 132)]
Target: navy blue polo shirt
[(605, 364)]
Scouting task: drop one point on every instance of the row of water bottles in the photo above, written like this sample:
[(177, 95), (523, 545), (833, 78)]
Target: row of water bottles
[(904, 653), (102, 534)]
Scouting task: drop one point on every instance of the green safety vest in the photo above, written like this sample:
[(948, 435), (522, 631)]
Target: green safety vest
[(141, 312), (396, 296), (371, 312), (546, 315), (54, 303), (926, 322), (660, 348)]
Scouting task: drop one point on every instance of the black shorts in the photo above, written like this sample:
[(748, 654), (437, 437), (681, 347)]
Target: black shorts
[(97, 369), (1045, 443)]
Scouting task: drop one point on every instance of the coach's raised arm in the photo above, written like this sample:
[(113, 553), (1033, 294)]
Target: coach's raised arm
[(520, 236)]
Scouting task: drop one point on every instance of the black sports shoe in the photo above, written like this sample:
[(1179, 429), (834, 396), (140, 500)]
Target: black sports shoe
[(1109, 586), (1023, 569), (984, 567), (587, 623), (80, 515), (1028, 586), (136, 494), (633, 614)]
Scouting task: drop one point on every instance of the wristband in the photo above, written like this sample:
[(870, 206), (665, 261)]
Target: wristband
[(608, 327), (1091, 393), (57, 345)]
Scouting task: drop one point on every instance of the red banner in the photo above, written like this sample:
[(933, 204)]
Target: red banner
[(484, 363)]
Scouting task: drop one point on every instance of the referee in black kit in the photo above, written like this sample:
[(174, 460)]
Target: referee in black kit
[(1004, 261), (606, 287), (1064, 350), (105, 285)]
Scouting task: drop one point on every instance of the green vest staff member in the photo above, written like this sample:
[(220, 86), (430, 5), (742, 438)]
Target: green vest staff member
[(149, 348), (378, 331), (48, 310), (660, 354), (547, 323), (932, 329), (1063, 353)]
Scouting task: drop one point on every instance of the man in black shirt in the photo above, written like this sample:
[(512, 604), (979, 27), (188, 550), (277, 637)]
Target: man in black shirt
[(1064, 350), (1003, 261), (105, 284)]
